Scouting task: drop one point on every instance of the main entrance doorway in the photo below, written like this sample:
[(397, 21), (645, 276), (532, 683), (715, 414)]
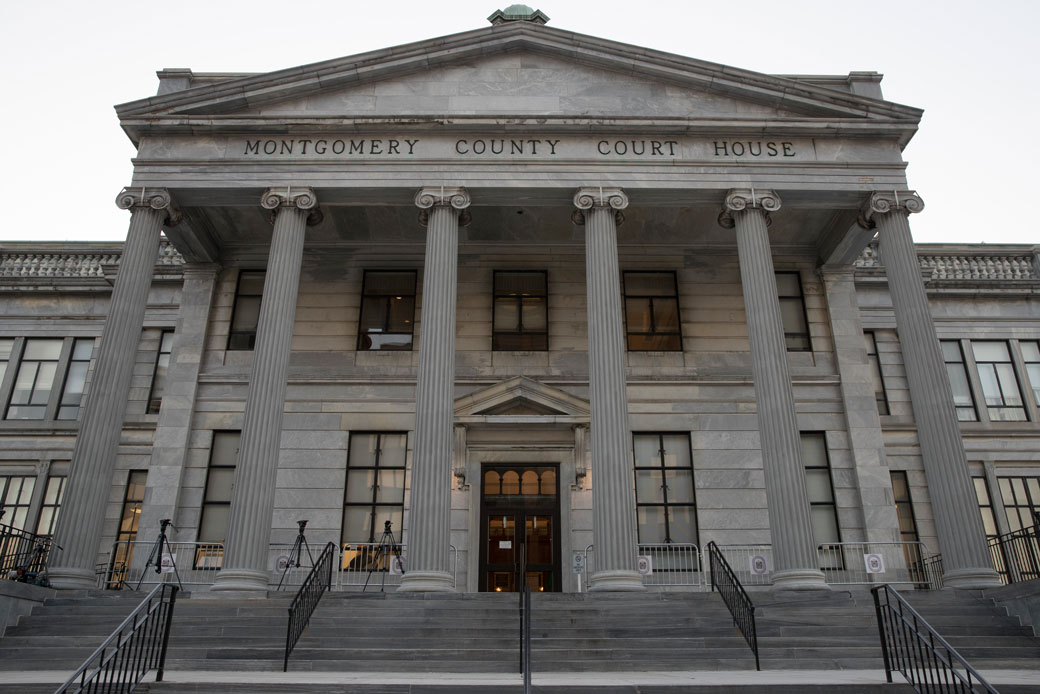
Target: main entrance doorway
[(519, 518)]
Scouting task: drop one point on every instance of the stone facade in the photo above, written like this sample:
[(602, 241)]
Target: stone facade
[(711, 279)]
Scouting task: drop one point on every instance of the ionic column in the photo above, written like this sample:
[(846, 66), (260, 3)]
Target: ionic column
[(101, 421), (252, 499), (966, 560), (429, 520), (613, 497), (794, 551)]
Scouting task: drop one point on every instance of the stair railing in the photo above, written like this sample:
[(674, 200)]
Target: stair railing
[(1016, 555), (911, 646), (23, 554), (735, 597), (318, 581), (137, 646)]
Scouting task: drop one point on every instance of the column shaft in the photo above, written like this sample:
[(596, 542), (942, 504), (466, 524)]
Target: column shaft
[(966, 560), (429, 520), (101, 420), (613, 496), (252, 499), (794, 551)]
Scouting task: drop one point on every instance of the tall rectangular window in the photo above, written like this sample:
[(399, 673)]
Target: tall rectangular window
[(387, 310), (820, 488), (1031, 357), (958, 375), (246, 313), (904, 506), (792, 311), (162, 363), (76, 378), (129, 521), (216, 502), (875, 371), (35, 379), (374, 491), (6, 345), (652, 312), (52, 497), (1021, 497), (989, 520), (999, 385), (666, 507), (521, 316), (15, 496)]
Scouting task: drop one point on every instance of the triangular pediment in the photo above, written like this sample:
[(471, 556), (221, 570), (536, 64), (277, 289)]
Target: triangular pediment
[(521, 397), (513, 69)]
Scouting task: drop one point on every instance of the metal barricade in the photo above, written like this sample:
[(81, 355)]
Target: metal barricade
[(751, 564), (197, 564), (672, 564), (370, 562), (869, 563)]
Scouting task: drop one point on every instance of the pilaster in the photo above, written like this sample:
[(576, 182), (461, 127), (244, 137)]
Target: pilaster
[(794, 550), (252, 499), (613, 498), (966, 560), (101, 421), (428, 567)]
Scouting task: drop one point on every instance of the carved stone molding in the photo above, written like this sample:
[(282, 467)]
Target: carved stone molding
[(155, 198), (883, 202), (458, 463), (450, 196), (599, 196), (302, 198), (741, 199)]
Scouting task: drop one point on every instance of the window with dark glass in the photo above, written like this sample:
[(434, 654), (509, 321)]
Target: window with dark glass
[(15, 496), (792, 311), (875, 372), (75, 378), (666, 507), (246, 313), (820, 489), (652, 312), (34, 379), (216, 502), (1031, 357), (52, 497), (999, 385), (387, 310), (521, 315), (129, 521), (989, 520), (1021, 497), (374, 491), (904, 506), (162, 363), (958, 375)]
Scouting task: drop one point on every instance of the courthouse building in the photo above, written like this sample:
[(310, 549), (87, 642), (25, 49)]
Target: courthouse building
[(519, 288)]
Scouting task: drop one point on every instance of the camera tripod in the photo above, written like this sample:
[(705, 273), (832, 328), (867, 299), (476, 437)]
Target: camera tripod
[(156, 555), (295, 553), (387, 547)]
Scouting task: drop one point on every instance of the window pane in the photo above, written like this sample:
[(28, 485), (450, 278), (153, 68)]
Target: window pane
[(679, 486), (951, 350), (650, 520), (814, 450), (6, 345), (251, 282), (637, 315), (959, 385), (990, 351), (390, 283), (1033, 371), (529, 283), (218, 484), (214, 523), (225, 448), (1030, 351), (677, 450), (359, 486), (391, 487), (548, 482), (42, 350), (362, 450), (1009, 385), (647, 450), (818, 486), (792, 314), (825, 525), (649, 284), (682, 524), (529, 483), (357, 524), (788, 284), (401, 312), (534, 313), (648, 486), (511, 483), (247, 313), (666, 315), (393, 450), (507, 314)]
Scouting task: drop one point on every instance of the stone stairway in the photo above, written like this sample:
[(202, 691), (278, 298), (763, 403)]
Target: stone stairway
[(411, 637)]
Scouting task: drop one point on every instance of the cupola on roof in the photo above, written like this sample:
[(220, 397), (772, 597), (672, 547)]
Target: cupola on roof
[(518, 13)]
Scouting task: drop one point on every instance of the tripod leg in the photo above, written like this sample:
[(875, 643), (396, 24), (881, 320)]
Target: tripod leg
[(173, 561), (154, 556), (294, 559)]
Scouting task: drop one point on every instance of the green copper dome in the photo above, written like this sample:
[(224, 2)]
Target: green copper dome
[(518, 13)]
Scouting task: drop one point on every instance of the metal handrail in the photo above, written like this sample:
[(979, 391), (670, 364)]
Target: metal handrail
[(318, 581), (23, 552), (524, 591), (735, 597), (1016, 555), (909, 644), (136, 646)]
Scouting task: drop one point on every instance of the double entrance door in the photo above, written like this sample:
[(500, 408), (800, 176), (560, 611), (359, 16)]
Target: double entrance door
[(520, 525)]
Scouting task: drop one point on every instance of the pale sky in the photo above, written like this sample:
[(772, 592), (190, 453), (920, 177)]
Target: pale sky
[(972, 66)]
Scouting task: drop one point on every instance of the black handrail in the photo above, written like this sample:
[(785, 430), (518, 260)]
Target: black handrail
[(1016, 555), (136, 646), (302, 607), (524, 591), (736, 598), (22, 553), (911, 646)]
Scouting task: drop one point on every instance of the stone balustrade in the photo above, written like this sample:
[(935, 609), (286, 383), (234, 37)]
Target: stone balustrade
[(73, 264), (957, 266)]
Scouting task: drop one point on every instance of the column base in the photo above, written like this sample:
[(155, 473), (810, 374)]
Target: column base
[(71, 578), (618, 579), (971, 578), (426, 582), (800, 579), (240, 579)]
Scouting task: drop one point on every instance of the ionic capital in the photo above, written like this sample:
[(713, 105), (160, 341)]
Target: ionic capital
[(599, 196), (154, 198), (740, 199), (455, 197), (302, 198), (882, 202)]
